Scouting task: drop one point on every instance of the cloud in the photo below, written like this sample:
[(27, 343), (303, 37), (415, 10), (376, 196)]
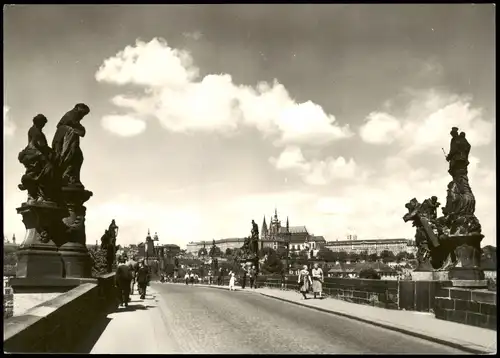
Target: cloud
[(380, 128), (193, 35), (9, 127), (183, 102), (123, 125), (426, 123), (316, 172), (375, 208)]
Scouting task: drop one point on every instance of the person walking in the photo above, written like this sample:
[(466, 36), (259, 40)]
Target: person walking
[(220, 277), (317, 280), (134, 266), (186, 278), (244, 278), (253, 277), (142, 279), (304, 281), (123, 278), (283, 279), (232, 280)]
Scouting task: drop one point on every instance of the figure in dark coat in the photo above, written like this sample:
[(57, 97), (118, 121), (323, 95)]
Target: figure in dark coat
[(123, 278)]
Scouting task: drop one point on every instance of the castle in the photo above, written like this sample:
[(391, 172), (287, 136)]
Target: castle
[(275, 235)]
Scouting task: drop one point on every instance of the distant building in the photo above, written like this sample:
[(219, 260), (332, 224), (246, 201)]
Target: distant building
[(372, 246), (273, 237), (223, 245), (276, 235)]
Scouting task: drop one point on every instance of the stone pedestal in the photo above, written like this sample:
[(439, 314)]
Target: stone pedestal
[(468, 253), (38, 255), (74, 253), (76, 259)]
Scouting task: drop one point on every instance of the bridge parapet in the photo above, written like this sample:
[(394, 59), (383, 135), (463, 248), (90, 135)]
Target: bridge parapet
[(58, 325)]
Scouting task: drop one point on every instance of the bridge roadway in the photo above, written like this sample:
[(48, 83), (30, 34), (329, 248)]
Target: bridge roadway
[(176, 318)]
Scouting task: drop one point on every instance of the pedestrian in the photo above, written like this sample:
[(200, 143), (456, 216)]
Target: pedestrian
[(191, 278), (304, 281), (142, 279), (243, 278), (220, 278), (123, 277), (186, 278), (253, 277), (232, 280), (134, 266), (317, 280), (210, 274), (283, 279)]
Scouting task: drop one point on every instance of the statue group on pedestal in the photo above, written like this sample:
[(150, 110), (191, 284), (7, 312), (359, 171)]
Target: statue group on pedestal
[(52, 177), (250, 248), (108, 244), (452, 240)]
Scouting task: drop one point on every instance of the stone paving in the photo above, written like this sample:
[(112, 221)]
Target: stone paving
[(143, 318), (419, 324)]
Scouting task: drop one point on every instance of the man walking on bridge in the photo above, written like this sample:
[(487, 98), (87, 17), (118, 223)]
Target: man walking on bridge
[(142, 278), (123, 279)]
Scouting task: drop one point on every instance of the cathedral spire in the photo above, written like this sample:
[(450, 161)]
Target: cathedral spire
[(263, 231), (287, 224)]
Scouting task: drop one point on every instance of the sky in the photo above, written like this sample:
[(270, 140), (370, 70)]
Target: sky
[(204, 117)]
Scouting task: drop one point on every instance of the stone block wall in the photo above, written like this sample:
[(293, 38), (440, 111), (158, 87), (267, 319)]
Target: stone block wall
[(419, 295), (8, 299), (380, 293), (467, 306), (59, 325)]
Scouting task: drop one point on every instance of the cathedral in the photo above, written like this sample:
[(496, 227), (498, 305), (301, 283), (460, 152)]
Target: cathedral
[(276, 234)]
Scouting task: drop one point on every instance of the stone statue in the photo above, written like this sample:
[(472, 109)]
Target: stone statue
[(66, 144), (458, 157), (105, 240), (113, 229), (40, 180), (453, 240)]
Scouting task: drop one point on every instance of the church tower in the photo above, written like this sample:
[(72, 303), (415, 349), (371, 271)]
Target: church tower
[(263, 231)]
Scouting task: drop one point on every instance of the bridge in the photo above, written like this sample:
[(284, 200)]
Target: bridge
[(202, 318)]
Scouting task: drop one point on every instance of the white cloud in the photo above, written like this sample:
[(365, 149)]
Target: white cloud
[(183, 102), (317, 172), (380, 128), (123, 125), (9, 127), (375, 208), (427, 122), (290, 158)]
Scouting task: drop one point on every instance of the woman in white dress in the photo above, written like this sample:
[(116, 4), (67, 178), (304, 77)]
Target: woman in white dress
[(232, 279), (304, 281), (317, 280)]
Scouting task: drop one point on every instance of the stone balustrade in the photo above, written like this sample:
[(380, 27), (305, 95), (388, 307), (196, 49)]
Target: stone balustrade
[(59, 325)]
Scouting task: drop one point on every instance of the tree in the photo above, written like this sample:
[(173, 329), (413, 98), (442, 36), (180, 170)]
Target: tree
[(401, 256), (363, 255), (326, 255), (266, 251), (369, 274), (387, 256), (342, 256), (353, 256), (281, 252), (411, 256), (229, 251), (373, 257), (272, 264)]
